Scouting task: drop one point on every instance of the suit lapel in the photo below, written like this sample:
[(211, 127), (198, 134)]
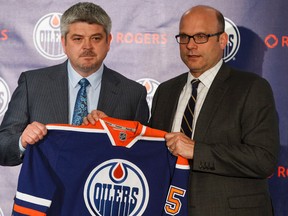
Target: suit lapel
[(165, 102), (176, 90), (109, 93), (211, 103), (58, 93)]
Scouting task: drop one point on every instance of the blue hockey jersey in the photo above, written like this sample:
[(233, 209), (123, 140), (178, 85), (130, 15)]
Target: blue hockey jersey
[(115, 167)]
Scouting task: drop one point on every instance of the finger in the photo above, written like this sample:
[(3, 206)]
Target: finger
[(170, 139), (169, 136), (29, 138), (85, 121), (40, 126), (33, 133), (101, 114), (173, 151), (90, 119), (95, 116), (39, 129)]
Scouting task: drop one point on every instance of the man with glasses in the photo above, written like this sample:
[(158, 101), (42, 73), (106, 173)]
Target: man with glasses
[(223, 120)]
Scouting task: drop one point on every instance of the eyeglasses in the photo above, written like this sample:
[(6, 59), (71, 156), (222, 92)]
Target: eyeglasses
[(199, 38)]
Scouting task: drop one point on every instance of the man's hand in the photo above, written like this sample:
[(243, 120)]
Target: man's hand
[(94, 116), (179, 144), (33, 133)]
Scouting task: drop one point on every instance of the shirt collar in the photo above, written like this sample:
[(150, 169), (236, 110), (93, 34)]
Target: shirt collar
[(75, 77), (208, 76)]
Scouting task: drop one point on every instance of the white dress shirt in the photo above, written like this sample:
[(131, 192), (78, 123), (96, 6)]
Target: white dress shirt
[(206, 80)]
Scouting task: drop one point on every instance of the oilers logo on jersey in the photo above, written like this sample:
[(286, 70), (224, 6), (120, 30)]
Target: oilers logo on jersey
[(116, 187)]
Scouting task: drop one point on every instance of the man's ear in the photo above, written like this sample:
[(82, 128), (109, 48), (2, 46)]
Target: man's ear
[(223, 39), (63, 42)]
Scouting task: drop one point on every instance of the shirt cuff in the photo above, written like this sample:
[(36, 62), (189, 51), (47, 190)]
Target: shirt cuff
[(21, 148)]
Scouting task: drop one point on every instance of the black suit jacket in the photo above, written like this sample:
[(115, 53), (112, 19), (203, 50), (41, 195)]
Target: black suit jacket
[(237, 141), (42, 95)]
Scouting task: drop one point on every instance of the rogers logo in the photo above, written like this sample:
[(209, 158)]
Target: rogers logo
[(140, 38), (272, 41), (3, 35), (282, 172), (233, 40), (47, 37)]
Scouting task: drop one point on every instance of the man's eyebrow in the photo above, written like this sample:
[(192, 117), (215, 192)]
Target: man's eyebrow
[(80, 35)]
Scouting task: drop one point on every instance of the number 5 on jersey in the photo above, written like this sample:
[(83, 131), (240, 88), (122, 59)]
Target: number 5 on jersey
[(173, 202)]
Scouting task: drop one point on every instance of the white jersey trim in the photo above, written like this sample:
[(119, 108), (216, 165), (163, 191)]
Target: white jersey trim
[(73, 128), (184, 167), (33, 199)]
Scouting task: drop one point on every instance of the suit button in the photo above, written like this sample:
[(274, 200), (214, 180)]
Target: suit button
[(200, 165)]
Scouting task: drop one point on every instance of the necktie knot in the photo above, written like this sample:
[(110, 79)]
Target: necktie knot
[(83, 82), (195, 83)]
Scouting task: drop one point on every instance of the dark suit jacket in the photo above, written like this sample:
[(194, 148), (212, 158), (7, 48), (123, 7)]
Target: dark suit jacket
[(42, 95), (236, 139)]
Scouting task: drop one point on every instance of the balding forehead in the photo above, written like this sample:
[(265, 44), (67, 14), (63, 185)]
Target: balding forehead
[(200, 9), (204, 12)]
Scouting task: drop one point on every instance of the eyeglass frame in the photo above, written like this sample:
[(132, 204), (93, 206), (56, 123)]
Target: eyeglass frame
[(192, 36)]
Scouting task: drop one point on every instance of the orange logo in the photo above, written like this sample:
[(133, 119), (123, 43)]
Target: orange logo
[(273, 41), (3, 35), (282, 172), (140, 38)]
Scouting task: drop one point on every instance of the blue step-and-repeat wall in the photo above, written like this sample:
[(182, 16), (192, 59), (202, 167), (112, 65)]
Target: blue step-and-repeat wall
[(144, 49)]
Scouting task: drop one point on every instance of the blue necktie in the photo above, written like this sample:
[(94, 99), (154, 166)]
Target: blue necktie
[(80, 108), (187, 121)]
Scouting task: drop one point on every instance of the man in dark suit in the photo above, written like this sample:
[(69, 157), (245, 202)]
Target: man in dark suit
[(234, 142), (48, 95)]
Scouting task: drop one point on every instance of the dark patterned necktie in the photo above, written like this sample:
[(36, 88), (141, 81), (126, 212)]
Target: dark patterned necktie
[(80, 108), (187, 121)]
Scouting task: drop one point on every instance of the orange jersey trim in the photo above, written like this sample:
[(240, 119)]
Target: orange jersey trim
[(27, 211), (121, 132), (182, 161)]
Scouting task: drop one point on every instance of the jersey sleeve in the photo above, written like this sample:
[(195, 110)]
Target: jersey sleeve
[(36, 184), (177, 201)]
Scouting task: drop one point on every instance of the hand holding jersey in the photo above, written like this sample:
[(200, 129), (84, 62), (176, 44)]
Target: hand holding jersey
[(114, 167)]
